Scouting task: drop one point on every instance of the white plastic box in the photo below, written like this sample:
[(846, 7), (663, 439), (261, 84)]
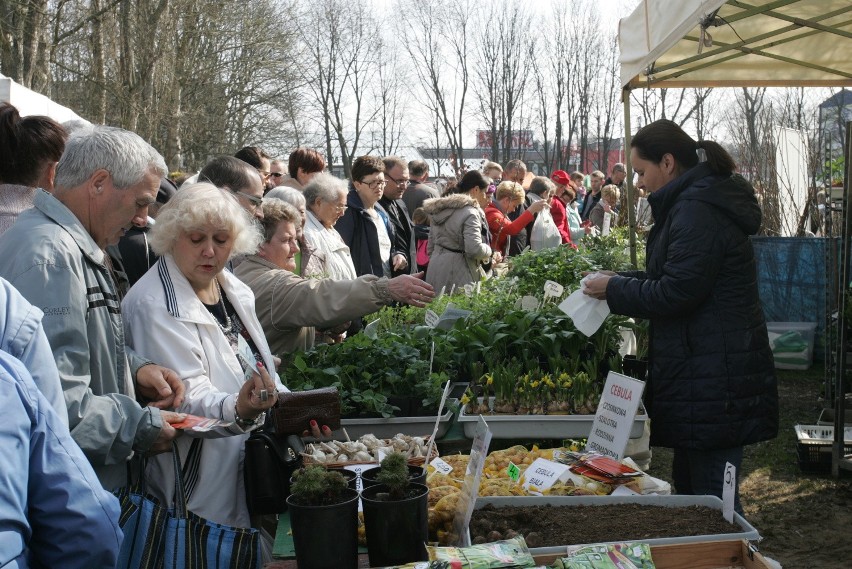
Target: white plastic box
[(792, 344)]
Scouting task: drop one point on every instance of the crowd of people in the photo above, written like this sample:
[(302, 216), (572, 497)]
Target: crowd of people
[(132, 301)]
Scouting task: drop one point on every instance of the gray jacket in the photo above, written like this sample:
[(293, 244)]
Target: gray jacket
[(456, 245), (54, 262)]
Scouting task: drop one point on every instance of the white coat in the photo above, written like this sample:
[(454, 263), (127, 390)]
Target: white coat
[(164, 319), (328, 243)]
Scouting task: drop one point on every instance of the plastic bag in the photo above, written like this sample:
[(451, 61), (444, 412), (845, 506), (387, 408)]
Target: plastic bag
[(544, 232)]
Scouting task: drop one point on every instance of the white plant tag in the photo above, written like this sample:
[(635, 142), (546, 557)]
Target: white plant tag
[(468, 289), (441, 467), (542, 474), (371, 330), (729, 491), (552, 288), (529, 303), (431, 318)]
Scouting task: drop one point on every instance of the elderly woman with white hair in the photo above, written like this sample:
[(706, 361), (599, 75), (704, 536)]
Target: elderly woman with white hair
[(326, 198), (192, 315)]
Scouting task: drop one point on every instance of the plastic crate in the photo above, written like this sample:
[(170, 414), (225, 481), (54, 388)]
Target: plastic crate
[(780, 332), (814, 447)]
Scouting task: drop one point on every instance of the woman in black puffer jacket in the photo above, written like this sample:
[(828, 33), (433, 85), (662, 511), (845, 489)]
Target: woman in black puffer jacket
[(711, 383)]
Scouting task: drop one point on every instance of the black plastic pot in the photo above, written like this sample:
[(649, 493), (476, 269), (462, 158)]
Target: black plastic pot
[(326, 537), (634, 367), (369, 477), (397, 531)]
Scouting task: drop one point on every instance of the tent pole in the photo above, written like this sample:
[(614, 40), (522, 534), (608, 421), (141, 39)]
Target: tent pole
[(631, 210)]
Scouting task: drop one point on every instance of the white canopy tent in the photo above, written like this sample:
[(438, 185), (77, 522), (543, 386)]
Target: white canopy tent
[(730, 43), (28, 102), (733, 43)]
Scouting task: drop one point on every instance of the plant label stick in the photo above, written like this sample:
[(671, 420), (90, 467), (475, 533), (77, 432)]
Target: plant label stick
[(729, 491), (371, 330), (553, 289), (438, 418), (431, 318)]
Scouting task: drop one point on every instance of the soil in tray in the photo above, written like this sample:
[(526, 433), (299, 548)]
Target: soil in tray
[(548, 526)]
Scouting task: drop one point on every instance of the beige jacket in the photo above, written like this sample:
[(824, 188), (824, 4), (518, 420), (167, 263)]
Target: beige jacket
[(289, 306)]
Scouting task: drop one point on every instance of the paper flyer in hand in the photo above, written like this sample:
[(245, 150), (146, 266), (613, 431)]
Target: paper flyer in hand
[(199, 424)]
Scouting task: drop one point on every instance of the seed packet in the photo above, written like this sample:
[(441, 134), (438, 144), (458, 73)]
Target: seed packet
[(497, 555), (613, 556)]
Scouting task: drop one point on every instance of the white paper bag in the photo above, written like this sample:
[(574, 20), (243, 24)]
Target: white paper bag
[(587, 313)]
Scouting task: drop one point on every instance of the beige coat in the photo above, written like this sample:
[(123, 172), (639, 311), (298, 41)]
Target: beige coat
[(456, 245), (289, 306)]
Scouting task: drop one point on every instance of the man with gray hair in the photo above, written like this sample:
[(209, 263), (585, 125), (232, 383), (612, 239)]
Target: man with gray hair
[(54, 255)]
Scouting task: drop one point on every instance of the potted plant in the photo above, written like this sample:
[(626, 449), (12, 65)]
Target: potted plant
[(395, 515), (324, 518)]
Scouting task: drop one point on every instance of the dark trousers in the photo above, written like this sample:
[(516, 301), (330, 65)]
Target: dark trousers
[(701, 472)]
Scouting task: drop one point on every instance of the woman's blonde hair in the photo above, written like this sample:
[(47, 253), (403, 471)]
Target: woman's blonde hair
[(508, 189), (610, 191), (196, 206)]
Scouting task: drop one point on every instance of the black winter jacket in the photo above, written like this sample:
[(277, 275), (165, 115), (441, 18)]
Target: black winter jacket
[(711, 375), (358, 231)]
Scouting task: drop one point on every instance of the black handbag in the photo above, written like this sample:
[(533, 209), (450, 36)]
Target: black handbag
[(269, 464)]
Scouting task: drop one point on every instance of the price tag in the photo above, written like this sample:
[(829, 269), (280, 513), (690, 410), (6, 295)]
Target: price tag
[(431, 318), (614, 418), (552, 288), (382, 454), (468, 289), (542, 474), (441, 467), (729, 492), (513, 471)]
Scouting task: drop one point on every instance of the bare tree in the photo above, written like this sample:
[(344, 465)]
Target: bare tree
[(341, 65), (439, 52)]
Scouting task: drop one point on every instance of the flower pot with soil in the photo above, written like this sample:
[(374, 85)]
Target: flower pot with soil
[(395, 515), (324, 518), (370, 476)]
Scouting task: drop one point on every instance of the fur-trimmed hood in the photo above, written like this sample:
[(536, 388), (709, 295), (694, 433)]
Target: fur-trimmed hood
[(440, 209)]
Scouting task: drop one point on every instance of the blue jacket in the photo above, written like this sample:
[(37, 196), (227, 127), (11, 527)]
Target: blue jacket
[(22, 336), (358, 231), (711, 378), (53, 510)]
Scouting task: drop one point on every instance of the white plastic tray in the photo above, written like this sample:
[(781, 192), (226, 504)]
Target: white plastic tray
[(748, 532), (541, 426), (387, 428)]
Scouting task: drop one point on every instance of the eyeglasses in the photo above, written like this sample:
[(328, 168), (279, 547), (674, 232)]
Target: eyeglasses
[(374, 184), (403, 181), (256, 202), (276, 174), (337, 207)]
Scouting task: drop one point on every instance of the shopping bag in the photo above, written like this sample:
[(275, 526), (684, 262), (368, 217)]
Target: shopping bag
[(143, 522), (545, 234), (192, 542)]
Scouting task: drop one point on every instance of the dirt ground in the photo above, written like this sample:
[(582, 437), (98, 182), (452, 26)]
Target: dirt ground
[(544, 526), (805, 519)]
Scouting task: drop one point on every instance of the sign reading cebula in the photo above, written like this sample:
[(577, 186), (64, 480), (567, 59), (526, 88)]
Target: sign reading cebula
[(614, 418)]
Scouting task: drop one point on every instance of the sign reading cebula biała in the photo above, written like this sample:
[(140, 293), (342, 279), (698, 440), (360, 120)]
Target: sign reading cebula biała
[(614, 418)]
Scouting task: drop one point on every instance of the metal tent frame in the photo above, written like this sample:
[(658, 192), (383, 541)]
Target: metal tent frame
[(733, 43)]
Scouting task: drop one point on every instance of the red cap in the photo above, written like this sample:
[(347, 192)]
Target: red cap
[(561, 177)]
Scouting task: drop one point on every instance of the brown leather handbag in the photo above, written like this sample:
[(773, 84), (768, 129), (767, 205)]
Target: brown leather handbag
[(295, 409)]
